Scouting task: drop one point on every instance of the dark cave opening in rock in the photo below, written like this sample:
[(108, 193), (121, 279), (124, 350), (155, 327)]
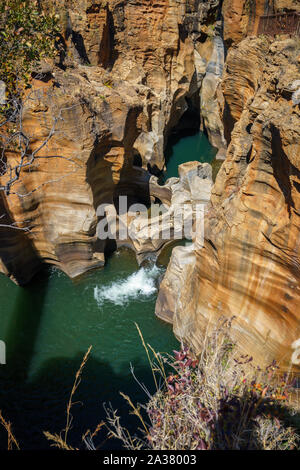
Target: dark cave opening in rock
[(188, 124), (137, 160)]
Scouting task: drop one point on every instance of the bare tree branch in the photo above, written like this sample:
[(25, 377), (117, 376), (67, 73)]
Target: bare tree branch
[(16, 153)]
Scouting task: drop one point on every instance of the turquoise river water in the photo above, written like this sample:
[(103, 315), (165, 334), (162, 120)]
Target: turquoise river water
[(48, 326), (189, 148)]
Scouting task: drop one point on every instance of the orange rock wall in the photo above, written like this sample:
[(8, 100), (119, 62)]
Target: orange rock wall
[(249, 266), (122, 81)]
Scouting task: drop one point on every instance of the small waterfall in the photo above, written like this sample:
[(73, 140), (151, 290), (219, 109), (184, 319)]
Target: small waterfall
[(138, 286)]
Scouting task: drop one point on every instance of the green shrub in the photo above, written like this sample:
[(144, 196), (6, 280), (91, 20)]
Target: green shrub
[(27, 35)]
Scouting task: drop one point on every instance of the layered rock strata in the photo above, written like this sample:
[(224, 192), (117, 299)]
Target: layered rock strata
[(99, 118), (249, 266), (180, 217)]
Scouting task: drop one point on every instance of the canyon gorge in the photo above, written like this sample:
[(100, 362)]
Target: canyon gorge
[(129, 75)]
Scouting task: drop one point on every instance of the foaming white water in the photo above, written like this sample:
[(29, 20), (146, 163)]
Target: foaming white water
[(139, 285)]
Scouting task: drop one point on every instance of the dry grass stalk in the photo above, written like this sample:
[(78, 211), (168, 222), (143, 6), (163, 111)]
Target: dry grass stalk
[(218, 400), (57, 439), (148, 355), (74, 388), (11, 440)]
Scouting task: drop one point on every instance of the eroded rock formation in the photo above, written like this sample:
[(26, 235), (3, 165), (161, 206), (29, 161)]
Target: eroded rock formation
[(249, 266), (126, 74), (183, 208)]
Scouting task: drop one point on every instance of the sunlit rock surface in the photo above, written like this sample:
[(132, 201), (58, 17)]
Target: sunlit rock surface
[(126, 74), (249, 266), (177, 218)]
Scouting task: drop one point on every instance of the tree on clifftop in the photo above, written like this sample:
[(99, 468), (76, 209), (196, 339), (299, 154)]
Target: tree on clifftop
[(27, 35)]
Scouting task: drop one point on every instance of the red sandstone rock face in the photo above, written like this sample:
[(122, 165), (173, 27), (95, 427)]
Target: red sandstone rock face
[(249, 266)]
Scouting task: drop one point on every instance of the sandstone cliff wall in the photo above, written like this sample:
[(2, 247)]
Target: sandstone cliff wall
[(249, 265), (126, 74)]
